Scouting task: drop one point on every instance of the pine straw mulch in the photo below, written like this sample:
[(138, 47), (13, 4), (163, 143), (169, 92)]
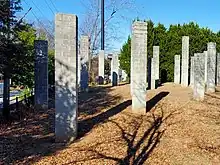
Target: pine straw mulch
[(175, 130)]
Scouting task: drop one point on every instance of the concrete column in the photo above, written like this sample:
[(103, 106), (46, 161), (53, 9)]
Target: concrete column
[(66, 79), (85, 56), (192, 71), (119, 74), (218, 68), (206, 62), (177, 69), (185, 61), (85, 48), (115, 70), (41, 74), (101, 66), (138, 66), (156, 56), (199, 77), (211, 67), (79, 70), (124, 76), (153, 73)]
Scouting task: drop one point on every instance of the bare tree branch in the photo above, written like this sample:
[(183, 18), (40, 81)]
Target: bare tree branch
[(115, 14)]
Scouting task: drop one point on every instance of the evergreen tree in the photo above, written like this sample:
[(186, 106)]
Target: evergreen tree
[(125, 56), (11, 48), (150, 38), (170, 42)]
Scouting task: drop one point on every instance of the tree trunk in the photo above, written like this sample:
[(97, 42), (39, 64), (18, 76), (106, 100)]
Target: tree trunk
[(6, 96)]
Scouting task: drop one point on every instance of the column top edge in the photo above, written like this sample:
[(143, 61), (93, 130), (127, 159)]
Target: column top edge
[(65, 14)]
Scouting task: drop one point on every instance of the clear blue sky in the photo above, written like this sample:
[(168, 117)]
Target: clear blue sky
[(205, 12)]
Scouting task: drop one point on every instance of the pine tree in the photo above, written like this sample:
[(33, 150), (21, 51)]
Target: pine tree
[(9, 45), (125, 56)]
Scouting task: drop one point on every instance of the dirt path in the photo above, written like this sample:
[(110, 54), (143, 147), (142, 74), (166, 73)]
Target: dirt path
[(177, 130)]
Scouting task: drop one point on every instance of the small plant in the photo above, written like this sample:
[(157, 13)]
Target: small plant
[(26, 92)]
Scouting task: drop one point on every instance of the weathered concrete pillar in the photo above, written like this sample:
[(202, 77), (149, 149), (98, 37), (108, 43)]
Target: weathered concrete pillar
[(156, 56), (101, 66), (119, 74), (138, 66), (192, 72), (206, 62), (41, 74), (124, 76), (185, 61), (66, 79), (218, 68), (79, 70), (177, 69), (199, 77), (153, 73), (115, 70), (84, 54), (211, 67), (85, 48)]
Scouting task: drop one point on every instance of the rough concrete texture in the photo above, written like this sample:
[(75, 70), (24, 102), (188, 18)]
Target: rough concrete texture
[(123, 76), (85, 49), (177, 69), (85, 59), (211, 67), (218, 68), (138, 66), (192, 71), (185, 61), (199, 77), (206, 60), (115, 69), (41, 74), (153, 73), (66, 79), (79, 70), (101, 66), (156, 56)]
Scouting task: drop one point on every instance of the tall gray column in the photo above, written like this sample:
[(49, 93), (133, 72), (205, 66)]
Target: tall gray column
[(85, 56), (85, 48), (185, 61), (206, 62), (156, 56), (115, 69), (192, 72), (124, 76), (153, 73), (41, 74), (218, 68), (199, 77), (79, 70), (139, 65), (211, 67), (101, 66), (66, 79), (177, 69)]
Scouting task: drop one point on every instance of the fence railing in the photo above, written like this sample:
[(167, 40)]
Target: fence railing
[(26, 98)]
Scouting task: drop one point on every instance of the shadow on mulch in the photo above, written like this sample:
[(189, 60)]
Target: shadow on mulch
[(152, 102), (31, 139), (86, 125), (139, 147), (96, 100), (26, 141)]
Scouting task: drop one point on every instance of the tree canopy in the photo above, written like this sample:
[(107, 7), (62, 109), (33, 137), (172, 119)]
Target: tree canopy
[(170, 42), (17, 50)]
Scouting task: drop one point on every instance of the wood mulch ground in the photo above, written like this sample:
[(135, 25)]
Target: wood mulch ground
[(175, 130)]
